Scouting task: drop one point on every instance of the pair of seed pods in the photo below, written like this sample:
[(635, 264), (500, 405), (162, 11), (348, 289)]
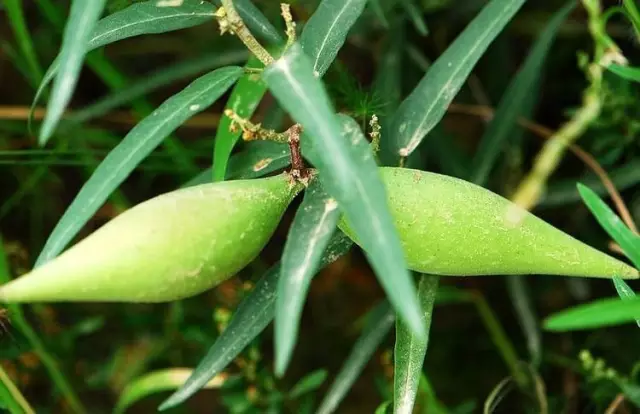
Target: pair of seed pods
[(185, 242)]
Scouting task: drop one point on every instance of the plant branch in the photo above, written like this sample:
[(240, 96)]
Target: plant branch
[(230, 21), (532, 186)]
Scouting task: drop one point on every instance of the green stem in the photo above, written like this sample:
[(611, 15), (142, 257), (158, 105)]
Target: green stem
[(12, 397), (532, 187), (500, 338), (230, 19)]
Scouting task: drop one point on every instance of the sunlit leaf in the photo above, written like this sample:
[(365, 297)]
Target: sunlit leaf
[(594, 315)]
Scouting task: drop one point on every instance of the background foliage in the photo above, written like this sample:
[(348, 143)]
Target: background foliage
[(486, 347)]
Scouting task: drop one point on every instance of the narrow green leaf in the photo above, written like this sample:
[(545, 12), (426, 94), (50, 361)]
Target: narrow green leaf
[(427, 104), (349, 173), (259, 159), (138, 19), (514, 102), (314, 223), (517, 287), (251, 317), (415, 14), (140, 87), (257, 22), (77, 33), (625, 72), (597, 314), (10, 396), (631, 7), (379, 323), (410, 350), (244, 100), (611, 223), (326, 31), (135, 147), (15, 15), (309, 383), (158, 381)]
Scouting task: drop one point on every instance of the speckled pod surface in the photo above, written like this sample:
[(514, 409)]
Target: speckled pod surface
[(173, 246), (452, 227)]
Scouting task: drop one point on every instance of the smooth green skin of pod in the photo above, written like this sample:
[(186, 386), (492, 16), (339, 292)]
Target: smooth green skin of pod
[(173, 246), (455, 228)]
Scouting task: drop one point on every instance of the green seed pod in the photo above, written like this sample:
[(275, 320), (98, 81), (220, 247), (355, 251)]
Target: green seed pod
[(173, 246), (451, 227)]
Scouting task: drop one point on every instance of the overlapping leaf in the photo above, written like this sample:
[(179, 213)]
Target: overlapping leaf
[(135, 147), (380, 321), (77, 35), (311, 230), (326, 31), (421, 111), (349, 173), (410, 350), (138, 19), (253, 314)]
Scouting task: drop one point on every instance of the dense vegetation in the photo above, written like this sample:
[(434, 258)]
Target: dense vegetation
[(105, 105)]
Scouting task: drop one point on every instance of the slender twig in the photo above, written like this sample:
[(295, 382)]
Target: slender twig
[(289, 23), (16, 396), (532, 186), (547, 133), (254, 132), (615, 404), (230, 21)]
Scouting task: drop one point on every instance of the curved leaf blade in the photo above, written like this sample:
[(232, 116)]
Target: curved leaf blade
[(617, 230), (410, 350), (625, 72), (379, 323), (421, 111), (612, 224), (244, 100), (349, 173), (77, 34), (140, 87), (253, 315), (326, 31), (138, 19), (314, 223), (516, 99), (597, 314), (135, 147), (258, 160), (158, 381), (257, 22)]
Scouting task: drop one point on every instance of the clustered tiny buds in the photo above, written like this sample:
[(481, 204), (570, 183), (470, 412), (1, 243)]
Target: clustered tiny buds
[(375, 133), (223, 22)]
